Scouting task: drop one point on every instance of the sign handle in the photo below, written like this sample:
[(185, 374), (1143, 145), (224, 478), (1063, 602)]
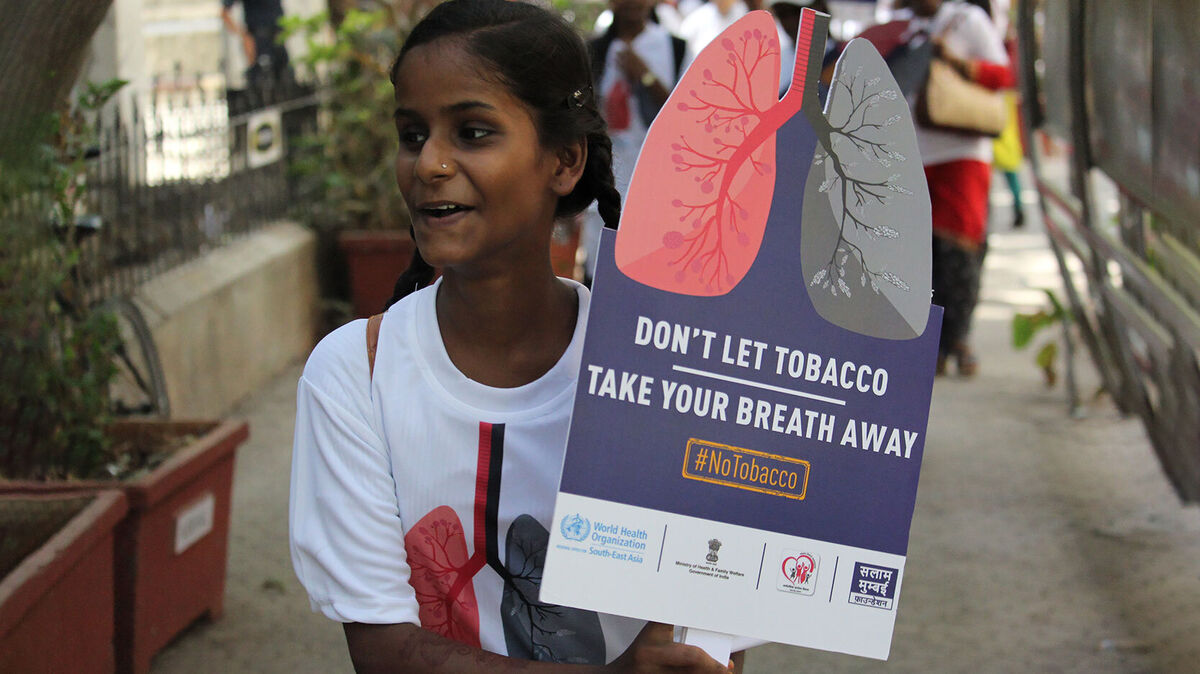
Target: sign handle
[(716, 644)]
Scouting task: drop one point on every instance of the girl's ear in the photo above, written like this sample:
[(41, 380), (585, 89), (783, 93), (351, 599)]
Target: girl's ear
[(572, 158)]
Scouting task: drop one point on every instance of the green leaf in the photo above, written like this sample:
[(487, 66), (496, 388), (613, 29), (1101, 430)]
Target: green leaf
[(1047, 355), (1022, 330)]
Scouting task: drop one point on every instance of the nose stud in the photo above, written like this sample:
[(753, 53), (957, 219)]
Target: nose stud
[(444, 167)]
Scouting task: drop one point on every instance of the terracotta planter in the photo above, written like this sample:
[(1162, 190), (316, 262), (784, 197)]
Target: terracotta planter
[(171, 547), (374, 260), (56, 605)]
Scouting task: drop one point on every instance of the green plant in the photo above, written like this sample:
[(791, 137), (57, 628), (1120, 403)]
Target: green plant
[(346, 169), (1026, 326), (57, 362)]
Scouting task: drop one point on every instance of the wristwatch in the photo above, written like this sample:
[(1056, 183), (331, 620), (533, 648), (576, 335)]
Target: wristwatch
[(648, 79)]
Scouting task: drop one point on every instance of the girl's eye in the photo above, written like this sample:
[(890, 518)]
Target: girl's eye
[(474, 133), (413, 137)]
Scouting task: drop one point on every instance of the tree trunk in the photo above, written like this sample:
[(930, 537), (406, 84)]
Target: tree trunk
[(42, 45)]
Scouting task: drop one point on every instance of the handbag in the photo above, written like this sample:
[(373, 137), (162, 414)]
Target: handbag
[(950, 102)]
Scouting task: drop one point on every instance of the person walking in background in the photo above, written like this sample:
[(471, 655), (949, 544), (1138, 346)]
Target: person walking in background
[(1008, 153), (635, 64), (266, 59), (958, 168)]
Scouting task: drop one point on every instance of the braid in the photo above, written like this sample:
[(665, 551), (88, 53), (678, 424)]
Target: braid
[(608, 200), (596, 183), (418, 275)]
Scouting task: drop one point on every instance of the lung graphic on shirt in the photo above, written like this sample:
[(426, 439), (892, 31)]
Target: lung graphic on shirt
[(848, 182), (442, 574)]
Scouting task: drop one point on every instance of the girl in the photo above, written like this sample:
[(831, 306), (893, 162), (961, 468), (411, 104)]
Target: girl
[(425, 466)]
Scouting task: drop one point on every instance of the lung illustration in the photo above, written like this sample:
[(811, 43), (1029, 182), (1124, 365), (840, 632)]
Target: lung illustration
[(534, 630), (441, 572), (690, 225), (703, 189), (866, 232)]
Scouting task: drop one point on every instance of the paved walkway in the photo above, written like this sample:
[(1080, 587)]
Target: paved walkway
[(1040, 543)]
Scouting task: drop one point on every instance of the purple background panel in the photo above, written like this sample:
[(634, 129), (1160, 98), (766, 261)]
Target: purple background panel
[(633, 454)]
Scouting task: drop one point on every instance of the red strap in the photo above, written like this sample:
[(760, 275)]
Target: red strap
[(373, 340)]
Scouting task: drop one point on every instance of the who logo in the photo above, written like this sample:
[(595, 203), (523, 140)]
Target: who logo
[(575, 527), (798, 572)]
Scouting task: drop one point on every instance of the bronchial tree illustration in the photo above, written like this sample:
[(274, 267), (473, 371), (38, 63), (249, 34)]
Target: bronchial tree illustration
[(534, 629), (734, 113), (858, 160), (715, 165), (441, 570)]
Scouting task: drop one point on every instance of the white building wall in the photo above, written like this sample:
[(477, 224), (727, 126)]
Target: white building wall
[(142, 39)]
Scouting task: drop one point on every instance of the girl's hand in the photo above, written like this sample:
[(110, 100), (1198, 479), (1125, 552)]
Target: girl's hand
[(654, 651)]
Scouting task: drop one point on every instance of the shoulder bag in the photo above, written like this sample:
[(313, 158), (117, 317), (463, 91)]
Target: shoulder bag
[(951, 102)]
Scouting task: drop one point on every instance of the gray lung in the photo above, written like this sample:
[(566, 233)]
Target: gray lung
[(534, 630), (866, 231)]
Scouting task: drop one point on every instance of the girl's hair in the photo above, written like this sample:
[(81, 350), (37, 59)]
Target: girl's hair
[(542, 61)]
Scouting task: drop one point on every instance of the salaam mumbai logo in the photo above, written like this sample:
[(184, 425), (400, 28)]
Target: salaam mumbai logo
[(575, 527)]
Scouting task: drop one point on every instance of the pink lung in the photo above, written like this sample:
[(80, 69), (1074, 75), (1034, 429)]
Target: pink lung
[(698, 203), (441, 575)]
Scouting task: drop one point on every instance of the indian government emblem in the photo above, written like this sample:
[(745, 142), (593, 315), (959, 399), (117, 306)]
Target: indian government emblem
[(713, 546)]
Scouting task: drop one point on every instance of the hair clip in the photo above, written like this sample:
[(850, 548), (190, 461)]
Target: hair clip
[(578, 98)]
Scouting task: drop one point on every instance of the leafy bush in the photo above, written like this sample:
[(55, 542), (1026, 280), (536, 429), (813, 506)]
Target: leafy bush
[(347, 171), (56, 364)]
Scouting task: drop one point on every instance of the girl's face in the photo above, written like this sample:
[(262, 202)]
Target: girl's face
[(480, 186)]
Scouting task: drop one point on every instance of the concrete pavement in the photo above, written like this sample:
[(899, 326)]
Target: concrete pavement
[(1040, 542)]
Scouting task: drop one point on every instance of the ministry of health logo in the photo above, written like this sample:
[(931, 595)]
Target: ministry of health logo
[(575, 528)]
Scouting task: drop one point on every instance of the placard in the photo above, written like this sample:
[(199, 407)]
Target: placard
[(754, 390)]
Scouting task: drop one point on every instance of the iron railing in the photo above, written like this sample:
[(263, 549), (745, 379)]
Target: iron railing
[(1109, 89), (183, 168)]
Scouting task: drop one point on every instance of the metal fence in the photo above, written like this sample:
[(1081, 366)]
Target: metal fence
[(1110, 104), (185, 167)]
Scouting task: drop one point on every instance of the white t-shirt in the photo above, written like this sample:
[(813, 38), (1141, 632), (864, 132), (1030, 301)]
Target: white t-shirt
[(671, 16), (421, 496), (968, 32), (705, 23)]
